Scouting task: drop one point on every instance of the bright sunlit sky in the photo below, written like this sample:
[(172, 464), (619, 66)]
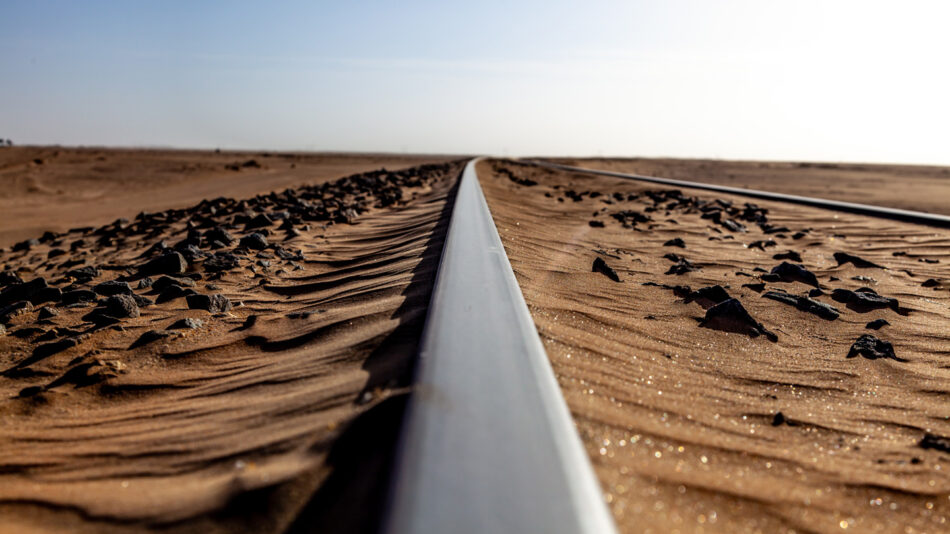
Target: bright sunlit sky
[(827, 80)]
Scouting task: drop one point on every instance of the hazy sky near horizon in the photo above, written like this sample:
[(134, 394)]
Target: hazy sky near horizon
[(834, 80)]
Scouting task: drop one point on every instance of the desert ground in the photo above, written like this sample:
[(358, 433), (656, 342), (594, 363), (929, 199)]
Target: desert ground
[(57, 188), (709, 349), (196, 343)]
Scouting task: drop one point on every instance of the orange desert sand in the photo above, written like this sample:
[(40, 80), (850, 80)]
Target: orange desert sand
[(191, 347)]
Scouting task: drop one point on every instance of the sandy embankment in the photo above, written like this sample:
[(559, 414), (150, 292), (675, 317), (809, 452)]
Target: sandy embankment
[(910, 187), (696, 428), (126, 407), (55, 188)]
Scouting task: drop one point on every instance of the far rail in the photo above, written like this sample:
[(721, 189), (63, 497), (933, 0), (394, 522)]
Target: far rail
[(918, 217)]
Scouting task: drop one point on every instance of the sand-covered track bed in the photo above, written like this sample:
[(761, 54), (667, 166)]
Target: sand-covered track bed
[(701, 423), (275, 413)]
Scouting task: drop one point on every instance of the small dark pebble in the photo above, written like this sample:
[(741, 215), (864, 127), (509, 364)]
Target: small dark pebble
[(708, 297), (167, 281), (171, 263), (804, 304), (758, 288), (873, 348), (215, 303), (876, 324), (113, 287), (596, 224), (844, 257), (864, 300), (778, 419), (937, 443), (600, 266), (682, 266), (789, 272), (762, 244), (675, 242), (254, 241), (731, 316), (186, 324)]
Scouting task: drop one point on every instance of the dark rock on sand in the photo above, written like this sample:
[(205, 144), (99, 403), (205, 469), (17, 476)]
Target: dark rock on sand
[(173, 292), (873, 348), (758, 288), (85, 274), (844, 257), (596, 224), (121, 306), (146, 282), (675, 242), (600, 266), (731, 316), (186, 324), (167, 281), (876, 324), (681, 265), (170, 263), (46, 313), (930, 282), (935, 442), (260, 221), (778, 419), (221, 261), (113, 287), (24, 291), (216, 303), (789, 272), (254, 241), (762, 244), (220, 235), (47, 294), (12, 311), (25, 245), (708, 297), (8, 278), (805, 304), (864, 300)]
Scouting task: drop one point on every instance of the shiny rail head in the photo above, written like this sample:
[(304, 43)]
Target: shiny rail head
[(488, 444)]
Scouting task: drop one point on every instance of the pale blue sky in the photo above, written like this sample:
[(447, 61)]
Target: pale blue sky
[(828, 80)]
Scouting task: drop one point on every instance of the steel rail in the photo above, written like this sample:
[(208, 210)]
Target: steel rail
[(489, 444), (919, 217)]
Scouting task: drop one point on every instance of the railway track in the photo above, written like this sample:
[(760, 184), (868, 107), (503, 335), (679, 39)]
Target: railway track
[(489, 444)]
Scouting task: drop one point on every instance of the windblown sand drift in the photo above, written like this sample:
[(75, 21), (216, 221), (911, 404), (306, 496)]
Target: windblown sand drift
[(769, 403), (195, 368)]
